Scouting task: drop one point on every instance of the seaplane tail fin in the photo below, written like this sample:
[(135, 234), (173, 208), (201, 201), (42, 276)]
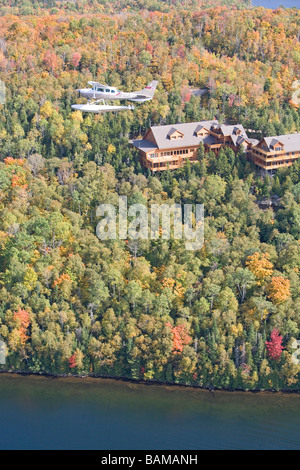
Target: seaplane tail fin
[(149, 90)]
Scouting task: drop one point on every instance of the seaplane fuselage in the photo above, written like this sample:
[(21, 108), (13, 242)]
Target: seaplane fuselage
[(108, 93)]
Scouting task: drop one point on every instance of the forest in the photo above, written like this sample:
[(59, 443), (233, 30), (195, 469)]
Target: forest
[(226, 316)]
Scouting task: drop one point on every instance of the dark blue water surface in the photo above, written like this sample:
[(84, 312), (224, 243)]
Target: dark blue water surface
[(45, 413), (276, 3)]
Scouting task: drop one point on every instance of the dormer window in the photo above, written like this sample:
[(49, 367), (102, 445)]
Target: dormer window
[(237, 131), (174, 134), (201, 131), (276, 146)]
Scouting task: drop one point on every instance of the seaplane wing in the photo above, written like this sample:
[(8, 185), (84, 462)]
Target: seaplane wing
[(96, 84), (99, 108)]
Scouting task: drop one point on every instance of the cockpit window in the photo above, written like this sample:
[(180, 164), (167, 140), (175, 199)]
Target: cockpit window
[(100, 89)]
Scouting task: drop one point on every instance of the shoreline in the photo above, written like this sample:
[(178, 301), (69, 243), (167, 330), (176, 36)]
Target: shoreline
[(212, 390)]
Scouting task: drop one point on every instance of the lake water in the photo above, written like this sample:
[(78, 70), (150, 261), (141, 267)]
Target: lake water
[(46, 413), (276, 3)]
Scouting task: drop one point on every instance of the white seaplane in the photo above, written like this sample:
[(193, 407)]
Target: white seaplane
[(99, 94)]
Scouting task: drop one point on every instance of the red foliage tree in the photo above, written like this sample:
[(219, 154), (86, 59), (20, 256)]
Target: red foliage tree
[(149, 48), (50, 61), (72, 361), (76, 57), (274, 346)]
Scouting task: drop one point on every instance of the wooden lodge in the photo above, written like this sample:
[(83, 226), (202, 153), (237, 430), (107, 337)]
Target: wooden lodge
[(170, 146), (272, 153)]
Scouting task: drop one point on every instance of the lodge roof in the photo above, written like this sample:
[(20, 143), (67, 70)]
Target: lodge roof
[(188, 130), (188, 135), (233, 130), (290, 142), (143, 144)]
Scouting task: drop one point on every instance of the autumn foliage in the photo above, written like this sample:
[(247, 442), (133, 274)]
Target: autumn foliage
[(13, 161), (260, 266), (274, 346), (181, 337), (63, 277), (278, 289), (146, 308), (22, 319), (72, 361)]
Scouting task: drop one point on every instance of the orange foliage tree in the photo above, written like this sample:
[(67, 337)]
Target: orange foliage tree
[(63, 277), (22, 319), (278, 290), (181, 337)]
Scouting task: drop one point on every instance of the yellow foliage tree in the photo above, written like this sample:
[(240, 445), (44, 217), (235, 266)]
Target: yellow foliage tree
[(260, 266), (30, 279)]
